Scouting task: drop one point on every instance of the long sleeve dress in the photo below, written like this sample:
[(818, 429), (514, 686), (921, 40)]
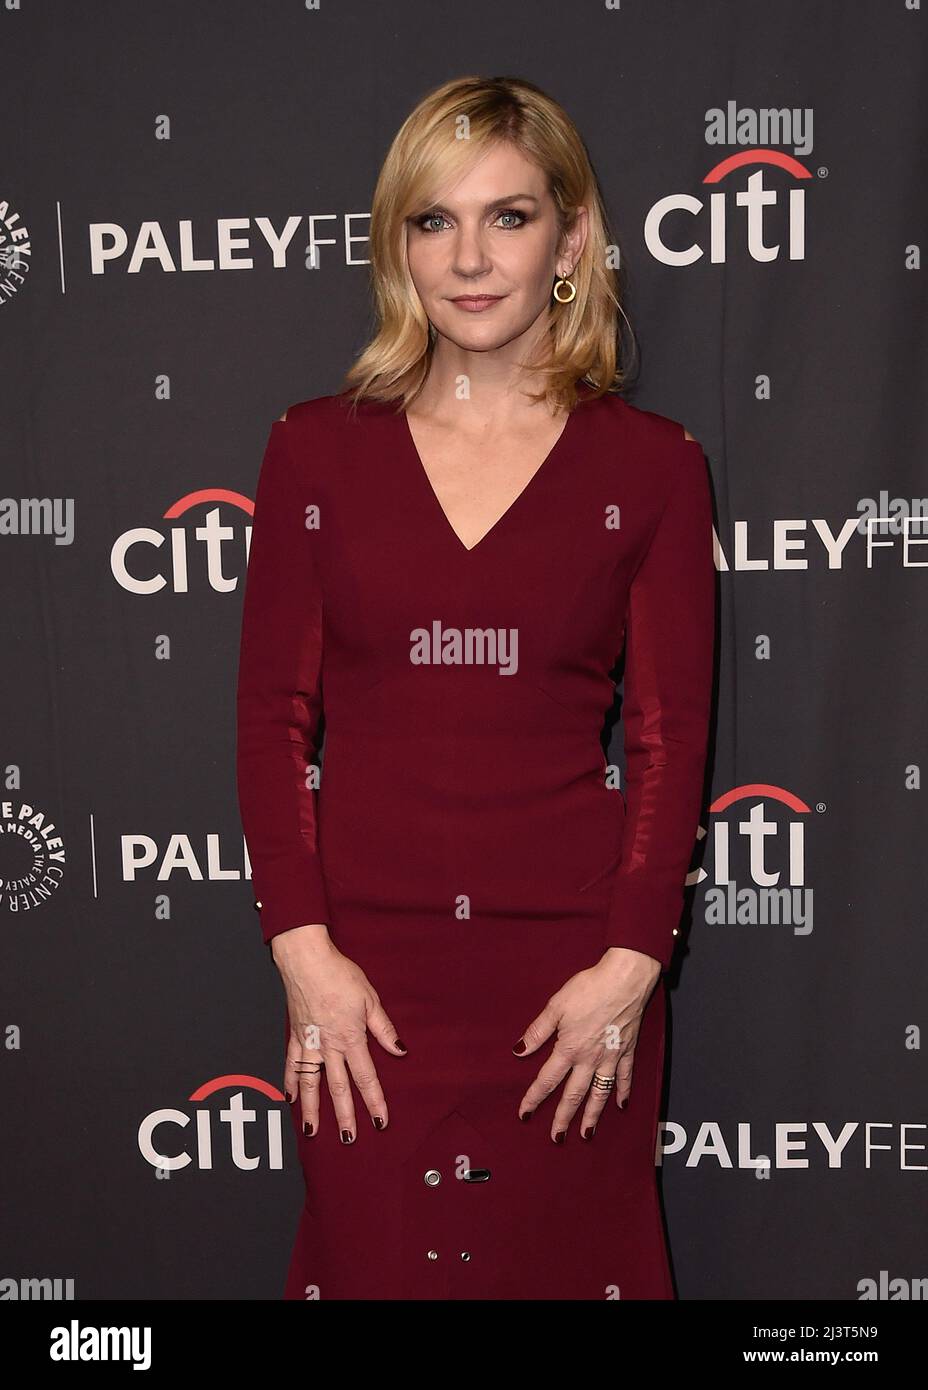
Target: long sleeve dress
[(465, 844)]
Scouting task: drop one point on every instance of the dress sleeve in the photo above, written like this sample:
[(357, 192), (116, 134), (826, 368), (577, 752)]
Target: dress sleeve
[(279, 700), (670, 640)]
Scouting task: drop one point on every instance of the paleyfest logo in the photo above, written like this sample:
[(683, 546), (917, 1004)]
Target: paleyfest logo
[(32, 856), (736, 208)]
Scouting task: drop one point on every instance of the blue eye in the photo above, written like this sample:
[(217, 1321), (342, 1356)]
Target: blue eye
[(425, 218), (428, 217), (513, 212)]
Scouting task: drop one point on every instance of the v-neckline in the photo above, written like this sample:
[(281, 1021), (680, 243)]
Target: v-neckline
[(543, 467)]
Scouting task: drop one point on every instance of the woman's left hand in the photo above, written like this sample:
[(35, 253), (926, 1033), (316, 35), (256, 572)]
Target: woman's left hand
[(596, 1016)]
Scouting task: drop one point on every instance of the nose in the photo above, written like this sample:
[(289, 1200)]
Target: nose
[(469, 257)]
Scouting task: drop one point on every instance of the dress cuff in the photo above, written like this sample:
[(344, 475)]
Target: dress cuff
[(290, 895), (644, 917)]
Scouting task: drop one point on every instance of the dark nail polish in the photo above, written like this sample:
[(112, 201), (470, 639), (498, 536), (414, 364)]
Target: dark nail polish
[(589, 1131), (378, 1122), (527, 1116), (402, 1046), (288, 1098), (346, 1136), (559, 1137), (307, 1128), (519, 1047)]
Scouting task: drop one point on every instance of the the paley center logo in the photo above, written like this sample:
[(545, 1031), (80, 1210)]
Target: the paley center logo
[(15, 251), (741, 211), (758, 867), (32, 854)]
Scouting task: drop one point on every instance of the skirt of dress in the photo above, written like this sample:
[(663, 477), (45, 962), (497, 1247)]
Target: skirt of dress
[(457, 1198)]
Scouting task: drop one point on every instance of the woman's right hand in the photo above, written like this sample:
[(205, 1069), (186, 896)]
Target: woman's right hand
[(332, 1006)]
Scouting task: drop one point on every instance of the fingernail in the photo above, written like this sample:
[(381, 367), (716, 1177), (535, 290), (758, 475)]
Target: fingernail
[(346, 1136), (559, 1137), (623, 1103), (402, 1046), (378, 1122), (288, 1097), (520, 1046), (589, 1132), (527, 1116), (307, 1128)]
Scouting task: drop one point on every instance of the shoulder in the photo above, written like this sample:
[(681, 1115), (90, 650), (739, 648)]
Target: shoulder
[(327, 418), (650, 428), (324, 440), (663, 454), (311, 428), (315, 411)]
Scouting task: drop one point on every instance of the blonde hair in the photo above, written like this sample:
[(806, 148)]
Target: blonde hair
[(427, 153)]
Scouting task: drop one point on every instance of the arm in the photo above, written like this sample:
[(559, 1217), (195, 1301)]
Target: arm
[(670, 631), (279, 699)]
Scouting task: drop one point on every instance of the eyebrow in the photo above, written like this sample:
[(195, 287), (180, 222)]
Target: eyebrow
[(499, 202)]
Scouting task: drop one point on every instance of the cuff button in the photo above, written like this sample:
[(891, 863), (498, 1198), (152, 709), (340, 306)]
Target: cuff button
[(675, 932), (258, 906)]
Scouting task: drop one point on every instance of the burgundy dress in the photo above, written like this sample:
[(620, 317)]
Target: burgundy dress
[(465, 846)]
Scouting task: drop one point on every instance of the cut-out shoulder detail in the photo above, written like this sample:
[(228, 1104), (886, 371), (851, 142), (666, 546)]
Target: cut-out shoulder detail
[(282, 417), (687, 435)]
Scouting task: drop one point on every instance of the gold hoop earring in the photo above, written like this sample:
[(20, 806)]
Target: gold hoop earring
[(561, 283)]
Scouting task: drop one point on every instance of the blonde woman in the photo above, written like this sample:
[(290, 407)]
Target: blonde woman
[(471, 924)]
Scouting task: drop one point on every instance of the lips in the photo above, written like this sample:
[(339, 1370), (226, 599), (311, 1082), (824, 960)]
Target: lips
[(476, 303)]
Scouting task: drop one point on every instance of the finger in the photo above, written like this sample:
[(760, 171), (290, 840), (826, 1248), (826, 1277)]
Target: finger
[(310, 1070), (380, 1025), (576, 1089), (364, 1076), (291, 1074), (538, 1031), (623, 1077), (598, 1095), (551, 1074), (339, 1084)]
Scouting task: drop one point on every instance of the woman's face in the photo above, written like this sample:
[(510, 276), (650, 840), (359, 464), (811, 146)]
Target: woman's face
[(495, 234)]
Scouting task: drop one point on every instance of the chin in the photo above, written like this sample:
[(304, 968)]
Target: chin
[(480, 337)]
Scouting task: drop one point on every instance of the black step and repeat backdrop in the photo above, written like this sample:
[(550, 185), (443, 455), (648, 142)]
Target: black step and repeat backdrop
[(184, 201)]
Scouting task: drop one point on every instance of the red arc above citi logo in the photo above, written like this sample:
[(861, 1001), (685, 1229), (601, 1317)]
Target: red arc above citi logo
[(251, 1136)]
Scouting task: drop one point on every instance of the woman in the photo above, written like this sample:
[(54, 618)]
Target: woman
[(445, 558)]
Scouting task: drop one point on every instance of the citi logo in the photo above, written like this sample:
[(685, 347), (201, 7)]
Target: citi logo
[(145, 560), (250, 1136), (758, 839), (740, 210)]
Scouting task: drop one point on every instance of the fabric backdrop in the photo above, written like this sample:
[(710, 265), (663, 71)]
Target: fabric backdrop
[(168, 169)]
